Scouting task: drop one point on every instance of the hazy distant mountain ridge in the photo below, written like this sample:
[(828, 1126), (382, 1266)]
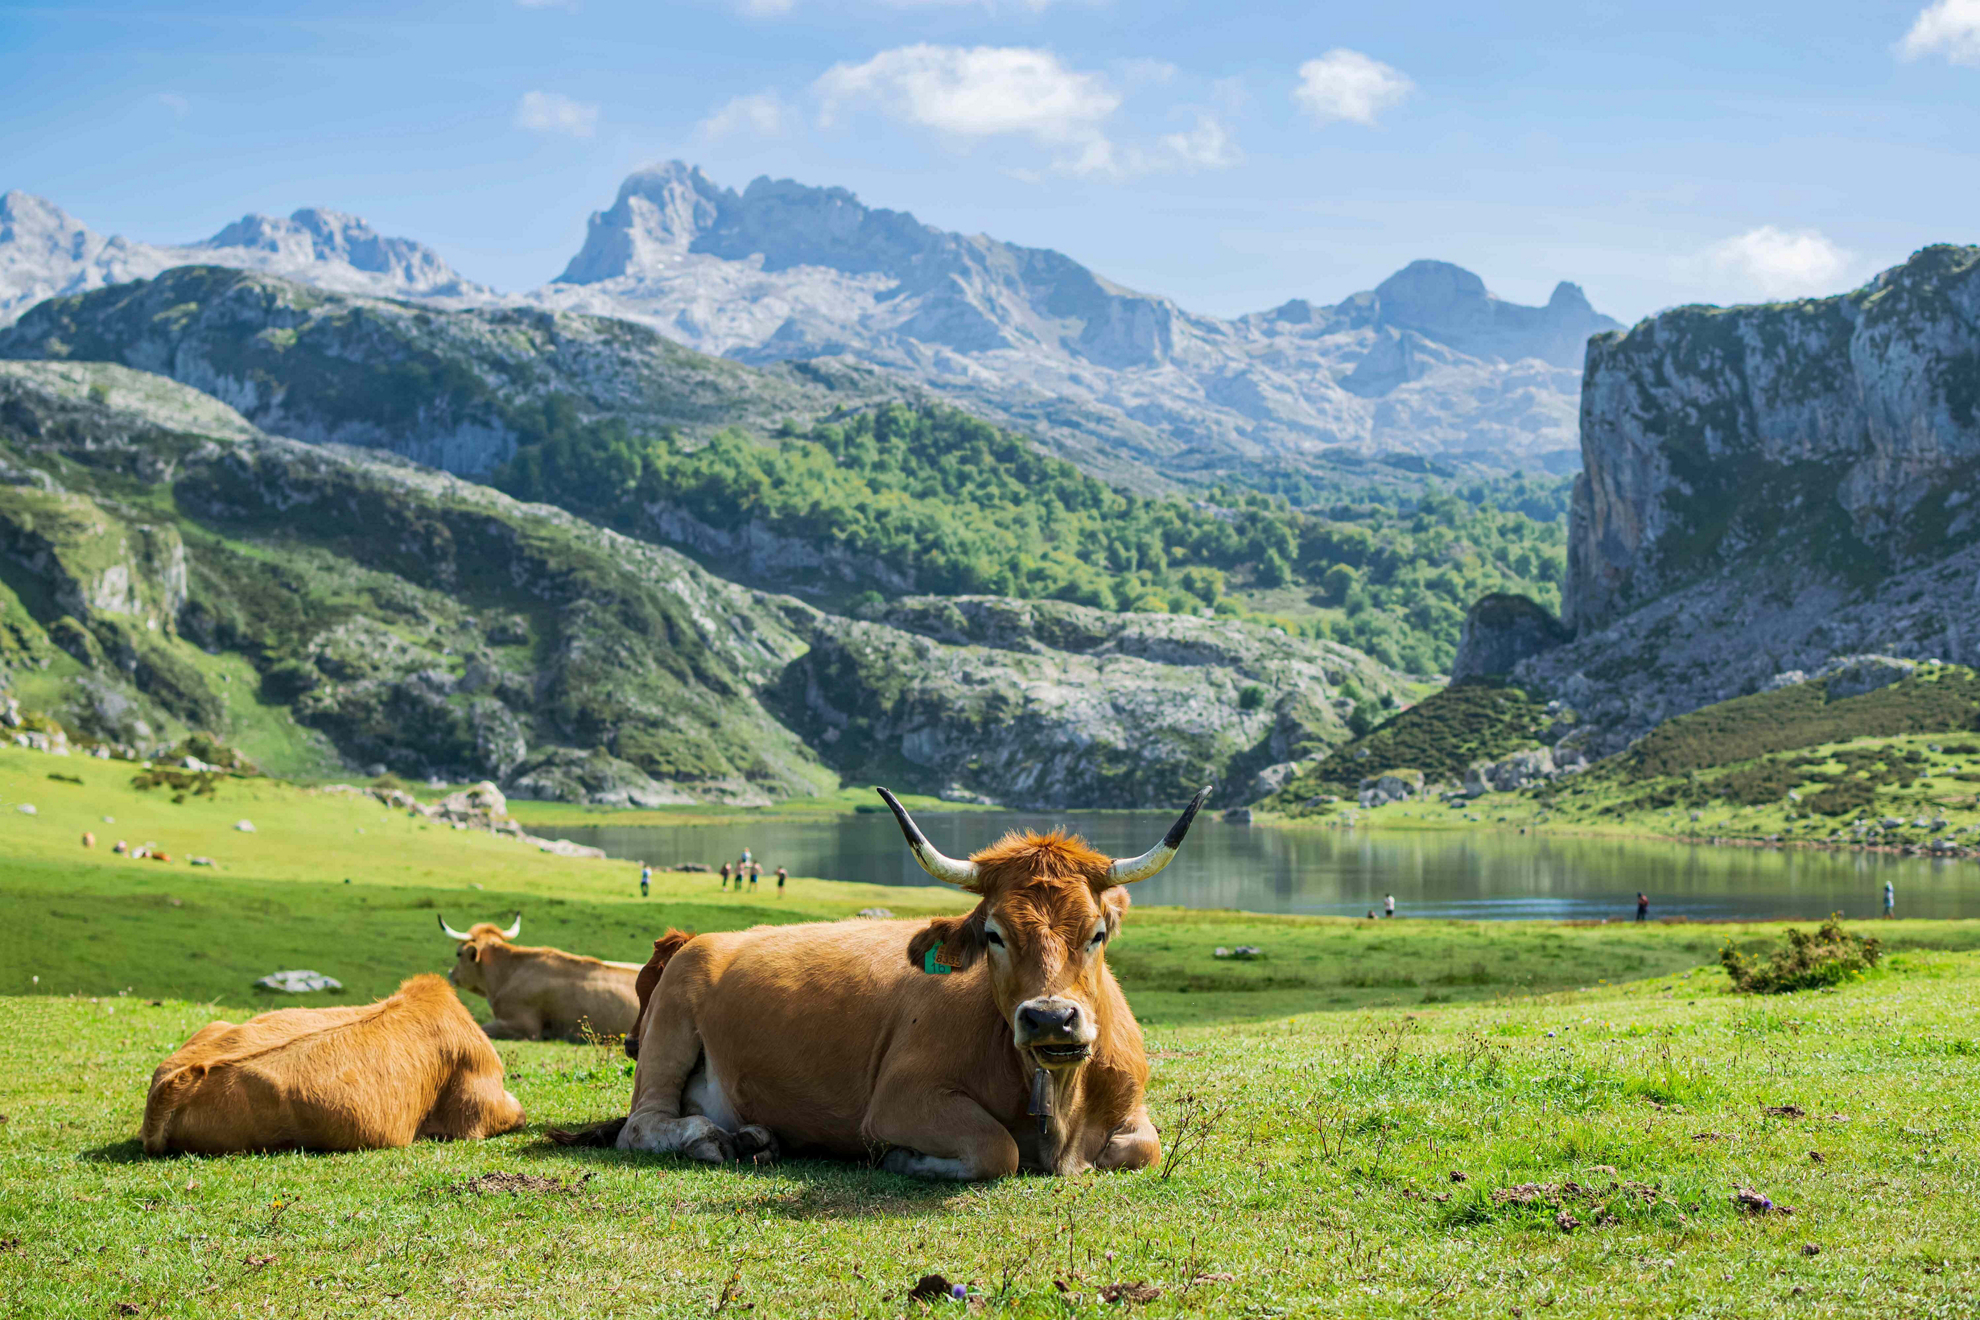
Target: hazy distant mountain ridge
[(1428, 362), (453, 388), (45, 252), (1128, 384)]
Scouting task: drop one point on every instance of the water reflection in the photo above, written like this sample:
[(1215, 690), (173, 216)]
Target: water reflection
[(1491, 875)]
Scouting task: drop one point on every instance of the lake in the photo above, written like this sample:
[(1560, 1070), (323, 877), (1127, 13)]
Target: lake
[(1482, 875)]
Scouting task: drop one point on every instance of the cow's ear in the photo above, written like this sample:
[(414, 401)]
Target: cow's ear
[(954, 943), (1113, 905)]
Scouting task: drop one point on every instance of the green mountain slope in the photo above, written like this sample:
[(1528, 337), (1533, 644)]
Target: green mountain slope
[(168, 568), (812, 478), (457, 390)]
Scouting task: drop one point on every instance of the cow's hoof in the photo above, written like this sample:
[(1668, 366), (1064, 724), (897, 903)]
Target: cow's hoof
[(702, 1140), (717, 1149), (755, 1144)]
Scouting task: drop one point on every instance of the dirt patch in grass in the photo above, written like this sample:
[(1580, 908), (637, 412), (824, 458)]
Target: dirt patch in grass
[(520, 1184)]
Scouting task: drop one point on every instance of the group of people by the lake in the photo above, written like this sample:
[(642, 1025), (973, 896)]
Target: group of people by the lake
[(743, 868), (748, 868), (1643, 904)]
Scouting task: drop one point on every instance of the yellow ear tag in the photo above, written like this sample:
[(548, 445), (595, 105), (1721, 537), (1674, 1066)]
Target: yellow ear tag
[(933, 968)]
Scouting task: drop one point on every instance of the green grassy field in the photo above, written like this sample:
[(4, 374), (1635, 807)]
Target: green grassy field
[(1892, 768), (1399, 1118), (1908, 791)]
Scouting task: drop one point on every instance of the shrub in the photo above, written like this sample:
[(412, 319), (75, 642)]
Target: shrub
[(1803, 715), (1829, 956), (1251, 697), (1440, 735)]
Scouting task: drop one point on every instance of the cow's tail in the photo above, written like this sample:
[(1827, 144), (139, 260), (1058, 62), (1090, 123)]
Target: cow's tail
[(162, 1106), (604, 1134), (664, 949)]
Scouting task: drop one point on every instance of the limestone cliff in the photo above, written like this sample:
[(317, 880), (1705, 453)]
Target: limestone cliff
[(1768, 487), (1836, 434)]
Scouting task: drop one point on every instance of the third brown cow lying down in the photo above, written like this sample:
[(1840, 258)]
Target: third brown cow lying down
[(540, 993), (357, 1078)]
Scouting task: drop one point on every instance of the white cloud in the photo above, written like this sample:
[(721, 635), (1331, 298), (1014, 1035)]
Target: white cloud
[(1347, 85), (1777, 263), (1945, 27), (983, 92), (976, 94), (1207, 146), (762, 114), (176, 103), (553, 112)]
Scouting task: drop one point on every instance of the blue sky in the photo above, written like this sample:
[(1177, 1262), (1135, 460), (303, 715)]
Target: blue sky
[(1230, 156)]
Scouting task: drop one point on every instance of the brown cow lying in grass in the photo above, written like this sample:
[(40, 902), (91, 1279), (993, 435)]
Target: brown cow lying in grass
[(357, 1078), (964, 1047), (539, 993)]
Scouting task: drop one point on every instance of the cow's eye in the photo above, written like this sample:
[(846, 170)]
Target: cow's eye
[(993, 939), (1099, 938)]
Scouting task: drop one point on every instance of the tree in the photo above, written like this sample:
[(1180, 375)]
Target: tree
[(1273, 571)]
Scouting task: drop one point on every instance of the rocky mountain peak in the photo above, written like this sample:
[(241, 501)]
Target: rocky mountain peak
[(1568, 297), (318, 234), (656, 217), (1451, 305), (46, 252), (23, 215), (666, 211)]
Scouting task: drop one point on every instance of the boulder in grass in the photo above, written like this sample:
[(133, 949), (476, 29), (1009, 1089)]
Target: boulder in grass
[(244, 826), (565, 848), (299, 982)]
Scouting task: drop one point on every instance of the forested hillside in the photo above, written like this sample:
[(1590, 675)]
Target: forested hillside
[(931, 500), (168, 570), (813, 482)]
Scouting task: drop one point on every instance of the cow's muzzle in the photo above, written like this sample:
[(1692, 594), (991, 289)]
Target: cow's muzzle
[(1058, 1032)]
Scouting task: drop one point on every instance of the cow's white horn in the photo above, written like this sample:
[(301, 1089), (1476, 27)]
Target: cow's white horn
[(1127, 870), (452, 934), (946, 869), (515, 928)]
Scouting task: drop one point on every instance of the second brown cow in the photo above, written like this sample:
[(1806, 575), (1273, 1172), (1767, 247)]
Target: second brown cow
[(349, 1078)]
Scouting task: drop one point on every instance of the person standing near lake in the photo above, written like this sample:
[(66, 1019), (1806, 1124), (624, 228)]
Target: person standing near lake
[(1642, 906), (645, 878), (725, 877), (755, 874), (1389, 906), (1890, 899), (782, 875)]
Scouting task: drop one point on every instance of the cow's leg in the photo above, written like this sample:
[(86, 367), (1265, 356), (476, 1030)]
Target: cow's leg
[(940, 1135), (521, 1024), (1132, 1145), (668, 1054), (472, 1106), (703, 1094)]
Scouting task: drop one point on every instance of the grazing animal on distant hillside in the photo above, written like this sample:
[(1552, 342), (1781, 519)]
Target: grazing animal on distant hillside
[(963, 1047), (541, 993), (350, 1078)]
